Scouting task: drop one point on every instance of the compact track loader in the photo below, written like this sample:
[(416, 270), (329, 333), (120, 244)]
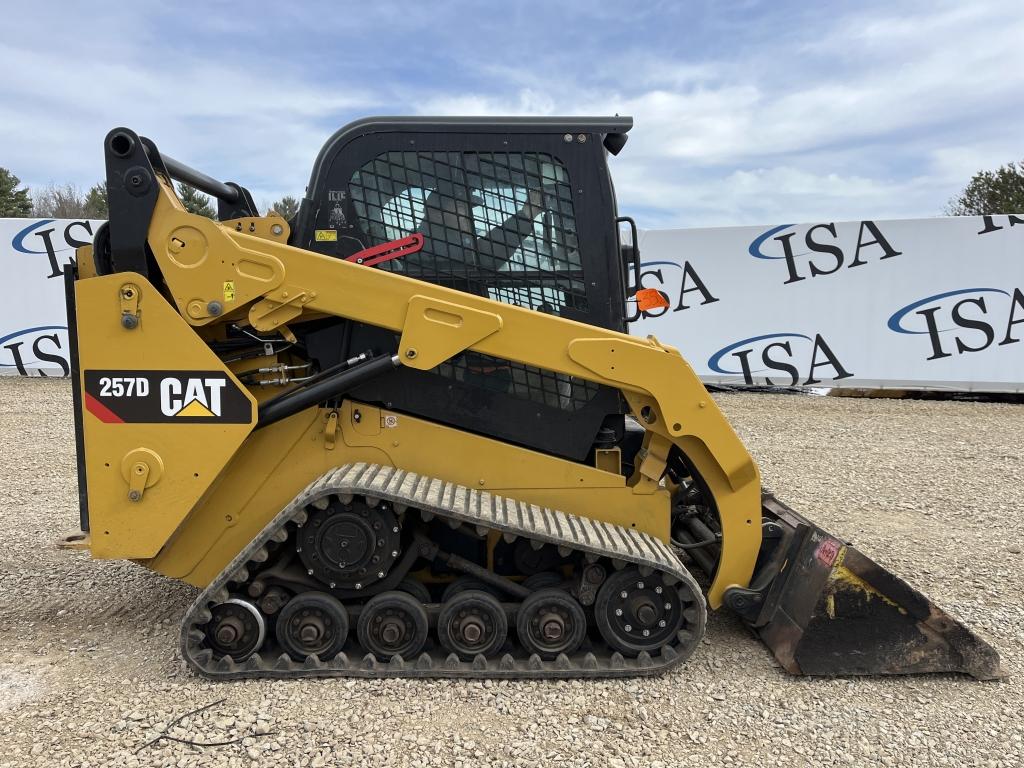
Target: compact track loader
[(406, 433)]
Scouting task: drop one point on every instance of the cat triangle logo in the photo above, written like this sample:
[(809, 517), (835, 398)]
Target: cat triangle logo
[(191, 398), (195, 408)]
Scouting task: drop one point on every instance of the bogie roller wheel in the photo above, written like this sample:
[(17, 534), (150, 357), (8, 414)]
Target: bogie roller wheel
[(471, 623), (415, 588), (542, 580), (393, 623), (236, 629), (465, 583), (550, 622), (637, 613), (530, 561), (312, 623)]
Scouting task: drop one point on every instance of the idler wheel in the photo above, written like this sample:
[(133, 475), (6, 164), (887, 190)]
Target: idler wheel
[(637, 613), (236, 629)]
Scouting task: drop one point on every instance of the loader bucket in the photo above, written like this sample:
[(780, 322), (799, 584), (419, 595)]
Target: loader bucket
[(830, 610)]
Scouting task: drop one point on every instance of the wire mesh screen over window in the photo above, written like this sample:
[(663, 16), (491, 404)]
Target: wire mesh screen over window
[(499, 225)]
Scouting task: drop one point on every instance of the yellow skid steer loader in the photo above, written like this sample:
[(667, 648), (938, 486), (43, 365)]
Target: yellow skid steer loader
[(406, 433)]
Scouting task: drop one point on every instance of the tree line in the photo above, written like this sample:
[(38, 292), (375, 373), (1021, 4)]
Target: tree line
[(987, 193), (66, 201)]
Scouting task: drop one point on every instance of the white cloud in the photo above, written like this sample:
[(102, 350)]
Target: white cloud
[(882, 111), (881, 114), (259, 123)]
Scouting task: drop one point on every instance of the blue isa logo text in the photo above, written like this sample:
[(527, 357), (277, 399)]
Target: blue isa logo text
[(818, 250), (964, 320), (32, 351), (803, 359)]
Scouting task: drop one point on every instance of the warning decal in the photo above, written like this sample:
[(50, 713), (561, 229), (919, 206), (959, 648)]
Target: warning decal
[(827, 552), (326, 235)]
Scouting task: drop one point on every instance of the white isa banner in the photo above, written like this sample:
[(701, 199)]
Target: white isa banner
[(924, 303), (33, 318)]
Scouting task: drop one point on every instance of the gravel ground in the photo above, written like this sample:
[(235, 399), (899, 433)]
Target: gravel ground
[(88, 672)]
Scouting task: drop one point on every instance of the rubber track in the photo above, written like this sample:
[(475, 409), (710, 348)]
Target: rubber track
[(480, 508)]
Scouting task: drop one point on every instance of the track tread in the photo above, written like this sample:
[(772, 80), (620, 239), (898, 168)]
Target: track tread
[(458, 503)]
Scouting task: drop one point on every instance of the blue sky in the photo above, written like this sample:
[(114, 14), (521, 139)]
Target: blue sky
[(746, 112)]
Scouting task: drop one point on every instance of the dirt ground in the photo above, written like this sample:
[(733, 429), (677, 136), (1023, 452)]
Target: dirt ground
[(932, 490)]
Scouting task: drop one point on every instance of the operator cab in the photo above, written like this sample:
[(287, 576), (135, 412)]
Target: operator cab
[(517, 210)]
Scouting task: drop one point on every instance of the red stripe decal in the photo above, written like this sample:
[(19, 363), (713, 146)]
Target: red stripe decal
[(100, 411)]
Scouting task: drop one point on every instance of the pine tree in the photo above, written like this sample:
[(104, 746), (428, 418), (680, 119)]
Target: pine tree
[(14, 202), (195, 201), (96, 202), (287, 207)]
